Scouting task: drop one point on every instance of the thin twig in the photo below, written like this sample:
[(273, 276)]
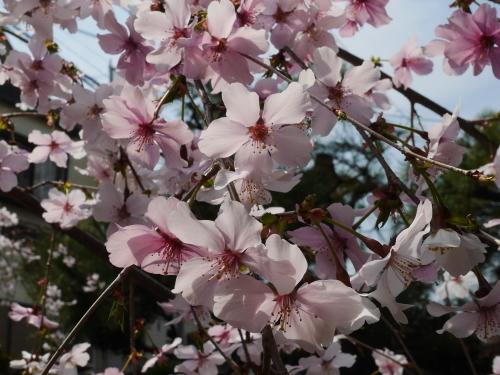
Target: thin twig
[(417, 98), (136, 176), (467, 355), (391, 176), (207, 103), (482, 121), (84, 318), (23, 114), (352, 339), (131, 316), (60, 183), (342, 115), (43, 294), (398, 336), (269, 344), (228, 359), (3, 29), (207, 175)]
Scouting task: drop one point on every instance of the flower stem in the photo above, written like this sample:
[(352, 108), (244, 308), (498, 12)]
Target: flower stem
[(365, 216), (340, 273)]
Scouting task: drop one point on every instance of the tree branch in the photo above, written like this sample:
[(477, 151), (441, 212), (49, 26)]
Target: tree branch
[(416, 98), (139, 277), (84, 318), (270, 346)]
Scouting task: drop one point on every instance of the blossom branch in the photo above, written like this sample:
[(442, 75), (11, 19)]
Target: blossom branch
[(398, 336), (131, 316), (84, 318), (29, 202), (48, 266), (360, 343), (270, 346), (343, 116), (4, 30), (415, 97), (134, 172), (59, 184), (341, 272), (207, 103), (231, 363), (467, 355)]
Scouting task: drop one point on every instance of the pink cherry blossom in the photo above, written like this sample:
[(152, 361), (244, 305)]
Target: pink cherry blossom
[(307, 316), (132, 48), (18, 312), (341, 240), (329, 363), (155, 250), (229, 250), (345, 94), (111, 207), (160, 356), (131, 116), (179, 305), (481, 317), (385, 365), (198, 362), (65, 209), (111, 371), (171, 28), (56, 146), (10, 164), (257, 138), (359, 12), (456, 253), (477, 40), (410, 58), (223, 43), (75, 357), (458, 287), (402, 257), (86, 109)]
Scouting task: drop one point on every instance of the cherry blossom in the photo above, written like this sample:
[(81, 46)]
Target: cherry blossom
[(258, 139), (156, 250), (386, 366), (329, 363), (481, 317), (458, 287), (112, 207), (56, 146), (359, 12), (229, 251), (18, 312), (410, 58), (198, 362), (401, 260), (75, 357), (10, 164), (456, 253), (65, 209), (345, 94), (160, 356), (475, 40), (131, 116)]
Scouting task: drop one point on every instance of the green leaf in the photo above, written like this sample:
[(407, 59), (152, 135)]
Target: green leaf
[(458, 220)]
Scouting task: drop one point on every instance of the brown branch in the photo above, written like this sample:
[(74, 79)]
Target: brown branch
[(398, 336), (84, 318), (139, 277), (207, 103), (231, 363), (415, 97), (4, 30), (270, 346), (356, 341), (343, 116), (60, 183)]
